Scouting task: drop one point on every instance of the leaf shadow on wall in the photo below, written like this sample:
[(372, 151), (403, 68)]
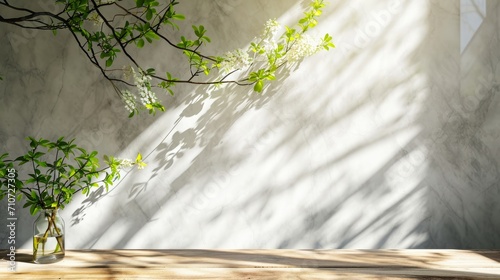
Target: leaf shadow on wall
[(215, 114), (330, 175), (306, 125), (450, 202)]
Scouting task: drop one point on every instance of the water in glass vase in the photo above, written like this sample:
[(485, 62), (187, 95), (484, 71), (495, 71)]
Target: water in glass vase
[(48, 249)]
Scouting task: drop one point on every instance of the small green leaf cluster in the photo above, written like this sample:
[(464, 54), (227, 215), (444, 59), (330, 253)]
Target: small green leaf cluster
[(258, 77), (137, 25), (197, 62), (285, 48), (168, 83), (310, 17), (59, 170)]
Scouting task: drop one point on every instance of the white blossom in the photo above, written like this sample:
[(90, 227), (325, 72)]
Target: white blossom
[(271, 28), (95, 18), (142, 82), (235, 60), (127, 72), (268, 41), (126, 163), (302, 47), (129, 100)]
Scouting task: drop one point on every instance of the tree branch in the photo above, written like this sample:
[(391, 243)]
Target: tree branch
[(116, 34)]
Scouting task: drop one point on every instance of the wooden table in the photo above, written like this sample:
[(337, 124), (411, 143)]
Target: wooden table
[(259, 264)]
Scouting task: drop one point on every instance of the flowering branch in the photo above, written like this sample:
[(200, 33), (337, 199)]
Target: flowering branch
[(106, 29)]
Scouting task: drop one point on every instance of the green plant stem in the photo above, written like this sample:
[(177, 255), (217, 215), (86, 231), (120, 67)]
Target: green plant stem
[(51, 219), (68, 182), (155, 30), (36, 177), (54, 171), (24, 192), (118, 40)]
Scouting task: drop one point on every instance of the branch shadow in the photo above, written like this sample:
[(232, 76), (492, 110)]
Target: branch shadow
[(215, 114), (428, 190)]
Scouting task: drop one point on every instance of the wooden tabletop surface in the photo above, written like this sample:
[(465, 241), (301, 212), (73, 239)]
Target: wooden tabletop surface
[(259, 264)]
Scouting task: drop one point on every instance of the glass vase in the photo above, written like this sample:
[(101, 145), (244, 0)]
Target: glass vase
[(48, 237)]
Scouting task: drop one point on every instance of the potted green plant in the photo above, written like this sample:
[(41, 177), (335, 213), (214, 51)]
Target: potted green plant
[(58, 170)]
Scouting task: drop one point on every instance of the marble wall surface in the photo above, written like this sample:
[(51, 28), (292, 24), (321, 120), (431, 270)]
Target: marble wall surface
[(389, 141)]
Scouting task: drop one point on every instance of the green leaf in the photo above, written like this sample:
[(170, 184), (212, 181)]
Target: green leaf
[(152, 35), (109, 62), (33, 142), (38, 154), (259, 85), (178, 17), (33, 209), (138, 158), (44, 143), (149, 14), (140, 43)]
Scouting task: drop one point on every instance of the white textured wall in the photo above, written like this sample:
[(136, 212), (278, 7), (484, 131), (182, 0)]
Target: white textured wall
[(389, 141)]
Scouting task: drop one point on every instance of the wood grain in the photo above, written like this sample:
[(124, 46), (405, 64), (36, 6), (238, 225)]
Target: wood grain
[(260, 264)]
